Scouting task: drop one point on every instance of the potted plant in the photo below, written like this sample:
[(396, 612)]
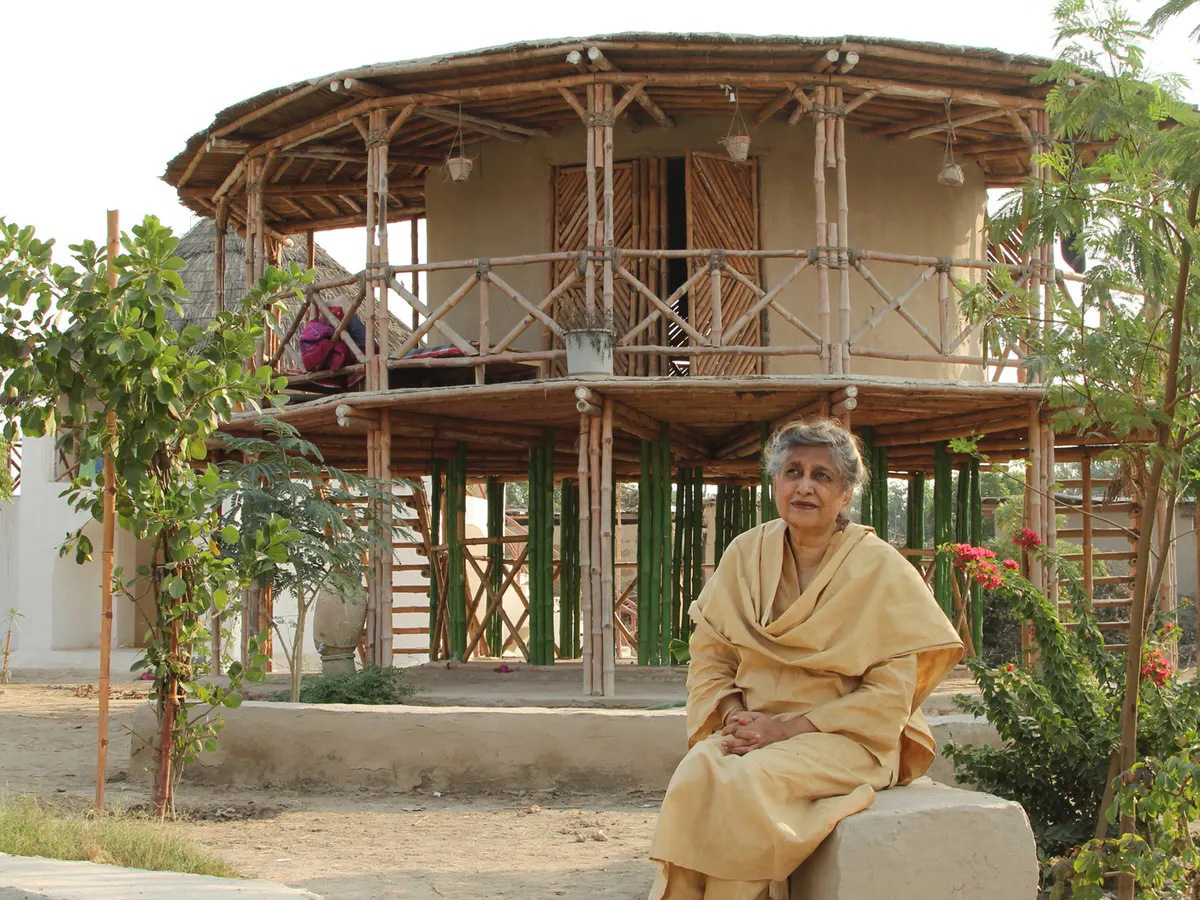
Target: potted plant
[(588, 335)]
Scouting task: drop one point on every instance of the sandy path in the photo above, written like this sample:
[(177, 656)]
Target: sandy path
[(500, 846)]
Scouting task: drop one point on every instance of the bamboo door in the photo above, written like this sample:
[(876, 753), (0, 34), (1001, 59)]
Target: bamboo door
[(722, 214), (639, 222)]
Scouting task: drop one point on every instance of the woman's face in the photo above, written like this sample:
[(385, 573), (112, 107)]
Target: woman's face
[(809, 492)]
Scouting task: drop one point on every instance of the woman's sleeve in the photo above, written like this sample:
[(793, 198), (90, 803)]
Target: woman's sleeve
[(874, 715), (710, 680)]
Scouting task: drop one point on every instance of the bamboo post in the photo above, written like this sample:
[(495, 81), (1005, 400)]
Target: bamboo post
[(384, 654), (456, 610), (663, 482), (377, 348), (832, 360), (606, 138), (435, 527), (414, 253), (607, 600), (109, 540), (915, 539), (568, 604), (843, 232), (222, 226), (493, 634), (1051, 506), (678, 558), (943, 489), (976, 538), (594, 228), (645, 515), (596, 560), (485, 323), (879, 484), (585, 548)]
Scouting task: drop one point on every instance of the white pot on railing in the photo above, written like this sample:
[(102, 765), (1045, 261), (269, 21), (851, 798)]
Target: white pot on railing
[(589, 352)]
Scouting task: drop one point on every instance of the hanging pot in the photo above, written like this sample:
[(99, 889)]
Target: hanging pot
[(589, 352), (951, 175), (737, 146), (459, 167)]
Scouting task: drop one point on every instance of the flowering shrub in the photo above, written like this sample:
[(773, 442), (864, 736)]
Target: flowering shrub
[(1059, 720), (1029, 539)]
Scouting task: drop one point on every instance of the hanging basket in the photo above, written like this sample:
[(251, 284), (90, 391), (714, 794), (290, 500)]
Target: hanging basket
[(951, 175), (459, 167), (589, 352), (737, 146)]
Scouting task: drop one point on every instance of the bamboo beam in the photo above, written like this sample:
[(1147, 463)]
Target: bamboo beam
[(497, 128), (601, 63)]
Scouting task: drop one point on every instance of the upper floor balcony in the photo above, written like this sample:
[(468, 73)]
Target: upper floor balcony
[(733, 207)]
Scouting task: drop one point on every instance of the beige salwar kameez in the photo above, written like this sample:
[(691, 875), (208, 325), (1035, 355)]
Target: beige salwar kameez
[(856, 652)]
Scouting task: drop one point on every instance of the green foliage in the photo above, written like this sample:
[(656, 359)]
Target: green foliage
[(1163, 798), (1059, 721), (373, 685), (30, 828), (304, 526), (72, 349)]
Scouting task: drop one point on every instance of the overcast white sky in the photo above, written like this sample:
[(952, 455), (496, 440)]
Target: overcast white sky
[(100, 96)]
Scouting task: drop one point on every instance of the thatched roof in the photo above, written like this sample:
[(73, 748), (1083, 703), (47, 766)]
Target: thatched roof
[(314, 129), (198, 248)]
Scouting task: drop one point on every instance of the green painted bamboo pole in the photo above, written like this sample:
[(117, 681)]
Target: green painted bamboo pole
[(654, 623), (943, 525), (976, 538), (456, 506), (915, 538), (697, 545), (678, 560), (667, 563), (645, 529), (879, 487), (568, 603), (548, 474), (962, 493), (435, 540), (492, 631)]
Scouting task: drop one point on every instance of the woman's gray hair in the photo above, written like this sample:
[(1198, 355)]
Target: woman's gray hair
[(844, 449)]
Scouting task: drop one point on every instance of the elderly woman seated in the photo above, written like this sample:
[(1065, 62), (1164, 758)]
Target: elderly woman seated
[(814, 644)]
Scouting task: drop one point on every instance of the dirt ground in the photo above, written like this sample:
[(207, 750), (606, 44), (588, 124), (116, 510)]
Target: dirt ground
[(501, 846)]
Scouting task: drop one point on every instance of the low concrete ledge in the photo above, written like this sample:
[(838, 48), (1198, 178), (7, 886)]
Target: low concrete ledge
[(337, 747), (925, 841)]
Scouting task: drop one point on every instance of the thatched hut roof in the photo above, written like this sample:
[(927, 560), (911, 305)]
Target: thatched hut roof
[(198, 248), (313, 132)]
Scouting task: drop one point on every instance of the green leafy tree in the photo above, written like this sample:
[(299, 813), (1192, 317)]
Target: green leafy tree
[(1124, 165), (72, 349), (330, 519)]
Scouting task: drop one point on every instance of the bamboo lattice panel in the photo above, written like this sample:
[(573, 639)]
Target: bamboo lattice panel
[(722, 202)]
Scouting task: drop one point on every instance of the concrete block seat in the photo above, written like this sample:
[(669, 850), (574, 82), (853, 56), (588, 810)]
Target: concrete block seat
[(925, 841)]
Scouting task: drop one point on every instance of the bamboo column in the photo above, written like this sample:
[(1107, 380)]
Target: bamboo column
[(376, 302), (493, 632), (1051, 510), (832, 359), (568, 603), (595, 559), (975, 536), (1088, 564), (437, 598), (942, 525), (915, 537), (843, 236), (222, 226), (591, 684), (608, 670), (383, 649)]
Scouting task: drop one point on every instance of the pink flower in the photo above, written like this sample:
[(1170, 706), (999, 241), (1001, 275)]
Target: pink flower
[(1156, 667), (1011, 564), (1010, 668), (1028, 539)]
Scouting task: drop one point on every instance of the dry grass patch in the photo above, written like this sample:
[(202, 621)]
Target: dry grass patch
[(31, 828)]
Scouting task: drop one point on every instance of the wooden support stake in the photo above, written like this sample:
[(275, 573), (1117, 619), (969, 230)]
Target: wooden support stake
[(109, 540), (608, 606)]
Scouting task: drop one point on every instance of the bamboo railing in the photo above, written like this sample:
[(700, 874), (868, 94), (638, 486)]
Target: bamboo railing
[(463, 318)]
